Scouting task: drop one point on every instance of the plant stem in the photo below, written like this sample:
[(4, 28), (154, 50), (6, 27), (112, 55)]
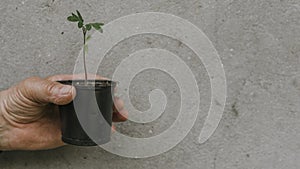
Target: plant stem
[(84, 62)]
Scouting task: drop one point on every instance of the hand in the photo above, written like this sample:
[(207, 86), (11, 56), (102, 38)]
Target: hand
[(29, 117)]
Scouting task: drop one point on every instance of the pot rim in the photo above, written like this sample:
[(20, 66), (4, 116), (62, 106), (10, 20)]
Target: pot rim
[(92, 83)]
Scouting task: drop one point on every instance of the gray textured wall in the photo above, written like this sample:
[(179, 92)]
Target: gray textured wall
[(259, 45)]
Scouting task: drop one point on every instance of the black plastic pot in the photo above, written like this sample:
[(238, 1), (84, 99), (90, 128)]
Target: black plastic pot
[(87, 120)]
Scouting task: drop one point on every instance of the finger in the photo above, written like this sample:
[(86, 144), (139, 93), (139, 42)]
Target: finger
[(113, 128), (45, 91), (118, 104), (120, 116), (75, 77)]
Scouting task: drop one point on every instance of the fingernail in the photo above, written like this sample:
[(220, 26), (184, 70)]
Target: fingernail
[(118, 95), (65, 90)]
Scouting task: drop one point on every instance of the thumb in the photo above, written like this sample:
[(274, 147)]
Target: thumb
[(46, 91), (60, 94)]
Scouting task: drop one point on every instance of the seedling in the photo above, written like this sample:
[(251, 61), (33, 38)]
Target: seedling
[(85, 28), (91, 109)]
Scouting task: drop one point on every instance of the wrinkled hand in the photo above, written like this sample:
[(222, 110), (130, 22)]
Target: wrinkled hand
[(29, 117)]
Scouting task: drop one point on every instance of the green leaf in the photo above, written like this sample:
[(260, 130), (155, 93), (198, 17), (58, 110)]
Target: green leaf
[(72, 19), (79, 16), (88, 27), (80, 24), (97, 26), (75, 16)]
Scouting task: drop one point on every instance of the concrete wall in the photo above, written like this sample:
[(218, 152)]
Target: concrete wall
[(259, 45)]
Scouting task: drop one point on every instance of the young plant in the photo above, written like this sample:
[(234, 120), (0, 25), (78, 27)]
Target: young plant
[(85, 28)]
